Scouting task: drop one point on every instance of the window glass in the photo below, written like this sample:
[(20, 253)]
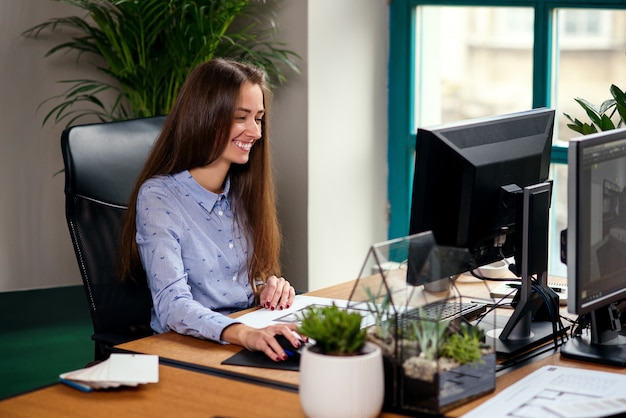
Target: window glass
[(590, 49), (590, 46), (471, 62)]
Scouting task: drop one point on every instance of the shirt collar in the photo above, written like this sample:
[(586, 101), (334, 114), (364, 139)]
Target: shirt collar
[(206, 198)]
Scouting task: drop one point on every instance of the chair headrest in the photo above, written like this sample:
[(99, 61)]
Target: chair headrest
[(103, 160)]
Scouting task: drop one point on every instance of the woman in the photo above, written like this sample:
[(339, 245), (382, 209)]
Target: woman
[(202, 219)]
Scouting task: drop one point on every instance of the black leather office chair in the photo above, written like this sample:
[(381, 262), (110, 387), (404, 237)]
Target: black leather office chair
[(102, 162)]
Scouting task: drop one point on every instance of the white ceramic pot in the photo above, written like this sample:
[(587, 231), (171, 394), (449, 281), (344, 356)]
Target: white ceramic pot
[(342, 386)]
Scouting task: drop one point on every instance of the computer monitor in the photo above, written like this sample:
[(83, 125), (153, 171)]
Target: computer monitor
[(482, 184), (460, 170), (596, 246)]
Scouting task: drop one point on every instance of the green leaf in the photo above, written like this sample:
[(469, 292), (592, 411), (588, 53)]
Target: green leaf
[(606, 123), (336, 331), (620, 101), (149, 47), (592, 111)]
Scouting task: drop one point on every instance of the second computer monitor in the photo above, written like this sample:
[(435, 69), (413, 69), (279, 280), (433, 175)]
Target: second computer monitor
[(596, 246)]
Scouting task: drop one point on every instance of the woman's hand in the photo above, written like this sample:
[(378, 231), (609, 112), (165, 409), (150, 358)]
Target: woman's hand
[(277, 294), (263, 339)]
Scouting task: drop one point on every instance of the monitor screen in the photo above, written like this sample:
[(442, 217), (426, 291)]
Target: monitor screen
[(596, 253), (463, 172), (596, 244)]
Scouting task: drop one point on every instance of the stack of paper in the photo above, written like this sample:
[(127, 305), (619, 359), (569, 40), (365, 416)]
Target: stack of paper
[(117, 370)]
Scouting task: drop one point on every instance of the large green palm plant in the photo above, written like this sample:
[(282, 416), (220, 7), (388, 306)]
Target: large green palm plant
[(150, 46)]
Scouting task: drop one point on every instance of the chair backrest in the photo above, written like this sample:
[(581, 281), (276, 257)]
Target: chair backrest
[(102, 162)]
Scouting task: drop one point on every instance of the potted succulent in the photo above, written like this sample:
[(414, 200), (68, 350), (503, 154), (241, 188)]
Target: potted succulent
[(145, 49), (341, 374), (454, 367), (430, 365)]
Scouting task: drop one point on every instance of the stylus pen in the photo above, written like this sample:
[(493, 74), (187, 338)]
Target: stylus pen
[(76, 385)]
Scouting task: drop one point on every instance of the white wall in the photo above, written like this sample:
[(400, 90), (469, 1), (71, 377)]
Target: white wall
[(347, 73), (329, 141), (289, 127)]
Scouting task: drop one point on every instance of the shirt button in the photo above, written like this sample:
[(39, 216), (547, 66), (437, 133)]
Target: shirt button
[(230, 245), (234, 278), (220, 213)]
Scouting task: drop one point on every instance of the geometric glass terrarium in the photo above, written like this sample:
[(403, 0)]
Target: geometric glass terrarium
[(404, 292)]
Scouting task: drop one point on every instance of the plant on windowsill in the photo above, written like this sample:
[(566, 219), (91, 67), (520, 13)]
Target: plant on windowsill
[(341, 374), (602, 117), (144, 50)]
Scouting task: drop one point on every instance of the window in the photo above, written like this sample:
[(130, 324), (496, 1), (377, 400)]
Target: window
[(469, 62), (455, 60)]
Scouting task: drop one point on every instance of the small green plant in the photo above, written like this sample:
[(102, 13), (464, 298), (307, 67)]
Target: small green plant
[(335, 330), (429, 335), (382, 313), (463, 346), (601, 117)]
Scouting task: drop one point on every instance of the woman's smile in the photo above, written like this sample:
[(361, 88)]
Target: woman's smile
[(244, 145)]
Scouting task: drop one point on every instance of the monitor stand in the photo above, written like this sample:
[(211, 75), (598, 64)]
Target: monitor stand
[(603, 342), (536, 305), (526, 334)]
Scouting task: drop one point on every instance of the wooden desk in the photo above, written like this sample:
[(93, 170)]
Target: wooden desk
[(183, 393), (179, 393), (186, 393), (207, 356)]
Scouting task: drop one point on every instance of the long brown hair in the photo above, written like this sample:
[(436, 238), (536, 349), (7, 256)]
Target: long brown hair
[(196, 133)]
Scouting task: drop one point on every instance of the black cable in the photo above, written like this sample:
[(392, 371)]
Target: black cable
[(553, 310), (493, 307)]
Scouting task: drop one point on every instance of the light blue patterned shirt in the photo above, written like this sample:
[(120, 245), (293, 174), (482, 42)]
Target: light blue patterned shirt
[(194, 256)]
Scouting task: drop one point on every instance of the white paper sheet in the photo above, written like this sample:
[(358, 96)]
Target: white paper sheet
[(550, 392), (264, 317)]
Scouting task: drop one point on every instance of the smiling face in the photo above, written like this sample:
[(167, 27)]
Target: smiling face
[(246, 126)]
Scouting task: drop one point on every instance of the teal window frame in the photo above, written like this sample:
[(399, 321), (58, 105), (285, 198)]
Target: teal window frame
[(401, 141)]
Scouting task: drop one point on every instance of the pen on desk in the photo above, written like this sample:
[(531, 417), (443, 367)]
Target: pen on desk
[(80, 386)]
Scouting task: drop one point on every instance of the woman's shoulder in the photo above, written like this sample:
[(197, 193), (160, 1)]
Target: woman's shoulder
[(156, 184), (162, 185)]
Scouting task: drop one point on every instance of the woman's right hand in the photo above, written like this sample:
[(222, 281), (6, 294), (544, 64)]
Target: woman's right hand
[(262, 339)]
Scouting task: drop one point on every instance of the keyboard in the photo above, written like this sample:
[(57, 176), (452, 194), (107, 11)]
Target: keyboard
[(447, 310)]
